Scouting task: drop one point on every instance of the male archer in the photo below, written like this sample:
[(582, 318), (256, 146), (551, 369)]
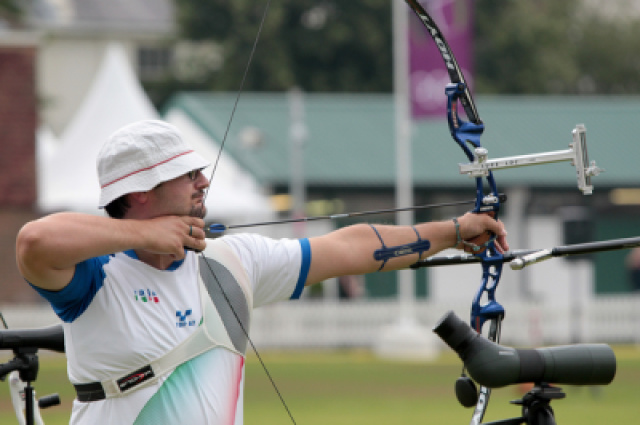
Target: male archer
[(155, 333)]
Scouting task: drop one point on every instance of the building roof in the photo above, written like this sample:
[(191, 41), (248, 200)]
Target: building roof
[(351, 137), (140, 16)]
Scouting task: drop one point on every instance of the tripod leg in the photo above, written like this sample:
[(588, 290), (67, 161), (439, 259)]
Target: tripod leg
[(28, 398), (541, 414), (18, 389)]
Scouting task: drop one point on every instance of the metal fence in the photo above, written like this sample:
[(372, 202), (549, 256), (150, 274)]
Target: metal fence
[(360, 324), (607, 319)]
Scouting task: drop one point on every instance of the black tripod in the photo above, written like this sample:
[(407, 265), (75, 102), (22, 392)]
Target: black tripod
[(25, 344), (535, 407), (25, 361)]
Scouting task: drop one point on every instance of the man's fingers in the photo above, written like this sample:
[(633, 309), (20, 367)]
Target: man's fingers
[(194, 243), (194, 227), (193, 221), (501, 243), (477, 229), (194, 232), (195, 235)]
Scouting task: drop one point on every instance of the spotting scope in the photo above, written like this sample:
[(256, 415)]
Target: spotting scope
[(50, 338), (495, 366)]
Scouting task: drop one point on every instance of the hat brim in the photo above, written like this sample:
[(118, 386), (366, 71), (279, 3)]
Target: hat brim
[(146, 179)]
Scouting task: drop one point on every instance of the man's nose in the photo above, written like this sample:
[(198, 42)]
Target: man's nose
[(201, 180)]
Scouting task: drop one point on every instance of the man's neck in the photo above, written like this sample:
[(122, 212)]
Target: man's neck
[(158, 261)]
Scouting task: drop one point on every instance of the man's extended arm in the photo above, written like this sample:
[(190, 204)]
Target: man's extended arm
[(350, 250)]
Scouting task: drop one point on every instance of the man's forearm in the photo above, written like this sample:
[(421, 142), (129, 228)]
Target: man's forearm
[(53, 245)]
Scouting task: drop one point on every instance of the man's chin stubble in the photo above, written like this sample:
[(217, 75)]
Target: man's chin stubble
[(198, 211)]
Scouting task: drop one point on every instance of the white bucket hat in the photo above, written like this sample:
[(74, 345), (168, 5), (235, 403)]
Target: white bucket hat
[(140, 156)]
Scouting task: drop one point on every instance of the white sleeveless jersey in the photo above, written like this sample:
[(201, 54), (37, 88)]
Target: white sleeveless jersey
[(120, 314)]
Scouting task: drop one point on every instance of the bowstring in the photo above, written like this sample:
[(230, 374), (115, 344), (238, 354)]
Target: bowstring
[(253, 347), (215, 167), (240, 90)]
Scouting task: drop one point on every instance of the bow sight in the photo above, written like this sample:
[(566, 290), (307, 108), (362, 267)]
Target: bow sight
[(577, 154)]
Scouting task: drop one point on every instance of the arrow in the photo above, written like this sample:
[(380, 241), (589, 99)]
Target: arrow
[(219, 228)]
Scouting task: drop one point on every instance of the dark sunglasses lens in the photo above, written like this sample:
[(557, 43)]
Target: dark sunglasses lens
[(193, 175)]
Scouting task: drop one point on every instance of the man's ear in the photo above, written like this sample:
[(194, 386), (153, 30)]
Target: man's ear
[(140, 198)]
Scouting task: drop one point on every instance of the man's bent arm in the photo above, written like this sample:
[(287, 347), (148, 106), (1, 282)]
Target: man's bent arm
[(48, 249)]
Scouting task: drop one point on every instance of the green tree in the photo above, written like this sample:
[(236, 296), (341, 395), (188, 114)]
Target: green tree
[(318, 45), (607, 56), (11, 12), (521, 47), (525, 46), (550, 46)]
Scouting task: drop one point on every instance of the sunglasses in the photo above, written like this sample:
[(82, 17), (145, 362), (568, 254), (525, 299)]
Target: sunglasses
[(193, 174)]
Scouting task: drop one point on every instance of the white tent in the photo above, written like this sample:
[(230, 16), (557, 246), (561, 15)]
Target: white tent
[(46, 147), (67, 174), (69, 179), (234, 193)]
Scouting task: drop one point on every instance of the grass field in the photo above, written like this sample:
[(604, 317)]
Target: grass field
[(354, 387)]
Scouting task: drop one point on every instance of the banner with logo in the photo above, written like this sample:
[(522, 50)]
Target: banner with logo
[(427, 73)]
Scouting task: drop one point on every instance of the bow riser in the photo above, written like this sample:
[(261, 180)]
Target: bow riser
[(465, 134)]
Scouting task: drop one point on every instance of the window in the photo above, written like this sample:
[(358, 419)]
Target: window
[(154, 63)]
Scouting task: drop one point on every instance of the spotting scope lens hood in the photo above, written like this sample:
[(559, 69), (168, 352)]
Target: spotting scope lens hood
[(494, 365), (50, 338)]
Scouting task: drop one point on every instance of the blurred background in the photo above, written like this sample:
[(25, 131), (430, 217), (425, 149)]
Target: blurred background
[(315, 133)]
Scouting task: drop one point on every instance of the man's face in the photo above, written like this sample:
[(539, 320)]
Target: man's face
[(183, 195)]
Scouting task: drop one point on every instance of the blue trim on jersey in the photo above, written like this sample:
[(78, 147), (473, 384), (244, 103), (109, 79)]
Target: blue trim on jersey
[(131, 254), (72, 300), (304, 268)]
